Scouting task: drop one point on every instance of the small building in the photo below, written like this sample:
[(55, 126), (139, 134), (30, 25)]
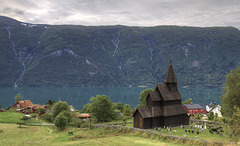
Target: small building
[(163, 106), (84, 116), (71, 108), (25, 104), (215, 108), (194, 109)]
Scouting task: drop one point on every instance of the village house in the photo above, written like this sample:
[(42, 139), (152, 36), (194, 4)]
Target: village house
[(26, 106), (215, 108), (194, 109), (23, 104), (163, 106)]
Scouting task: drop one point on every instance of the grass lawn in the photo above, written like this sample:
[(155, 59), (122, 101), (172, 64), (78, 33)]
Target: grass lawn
[(48, 135), (13, 117)]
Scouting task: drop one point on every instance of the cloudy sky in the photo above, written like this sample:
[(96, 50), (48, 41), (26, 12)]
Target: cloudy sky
[(201, 13)]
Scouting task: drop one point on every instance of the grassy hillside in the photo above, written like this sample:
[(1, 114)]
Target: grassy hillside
[(66, 55), (47, 135)]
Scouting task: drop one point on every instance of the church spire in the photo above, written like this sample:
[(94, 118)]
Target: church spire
[(170, 77)]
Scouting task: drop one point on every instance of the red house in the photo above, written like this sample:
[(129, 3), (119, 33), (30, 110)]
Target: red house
[(23, 104), (193, 109), (37, 106)]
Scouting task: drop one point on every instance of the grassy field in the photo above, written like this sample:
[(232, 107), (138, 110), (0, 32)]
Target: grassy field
[(13, 117), (48, 135)]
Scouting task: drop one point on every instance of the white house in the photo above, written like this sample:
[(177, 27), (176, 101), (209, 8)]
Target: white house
[(214, 108)]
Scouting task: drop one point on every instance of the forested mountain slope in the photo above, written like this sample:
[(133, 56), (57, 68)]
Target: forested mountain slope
[(74, 55)]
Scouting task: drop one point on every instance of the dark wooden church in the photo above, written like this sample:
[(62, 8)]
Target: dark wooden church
[(164, 106)]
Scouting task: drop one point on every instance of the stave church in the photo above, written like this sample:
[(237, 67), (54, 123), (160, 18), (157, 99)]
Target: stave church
[(163, 106)]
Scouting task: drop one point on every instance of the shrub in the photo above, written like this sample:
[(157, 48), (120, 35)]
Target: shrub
[(7, 108), (1, 131), (79, 123), (61, 121), (34, 115), (48, 117)]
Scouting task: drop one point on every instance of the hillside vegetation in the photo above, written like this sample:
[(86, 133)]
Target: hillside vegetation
[(74, 55)]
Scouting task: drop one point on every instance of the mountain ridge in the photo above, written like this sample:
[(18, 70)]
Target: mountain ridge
[(76, 55)]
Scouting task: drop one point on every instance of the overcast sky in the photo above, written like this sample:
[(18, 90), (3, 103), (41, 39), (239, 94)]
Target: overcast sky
[(201, 13)]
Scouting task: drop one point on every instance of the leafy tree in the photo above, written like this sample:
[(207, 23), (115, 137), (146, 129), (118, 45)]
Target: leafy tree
[(18, 98), (215, 116), (61, 121), (50, 102), (231, 93), (86, 108), (199, 116), (102, 109), (127, 110), (188, 101), (0, 106), (68, 115), (133, 110), (48, 117), (59, 107), (119, 106), (210, 116), (7, 108), (234, 123), (41, 111), (143, 96)]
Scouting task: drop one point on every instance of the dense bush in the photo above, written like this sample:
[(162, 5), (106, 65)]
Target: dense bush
[(48, 117), (61, 121)]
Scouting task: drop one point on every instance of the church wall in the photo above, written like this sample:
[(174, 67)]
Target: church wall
[(176, 120), (147, 124)]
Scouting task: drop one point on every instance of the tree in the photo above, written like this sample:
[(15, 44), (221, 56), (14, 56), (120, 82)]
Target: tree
[(231, 93), (0, 106), (18, 98), (127, 110), (119, 106), (102, 108), (188, 101), (60, 121), (59, 107), (210, 116), (86, 108), (143, 96), (215, 116), (41, 111), (234, 123)]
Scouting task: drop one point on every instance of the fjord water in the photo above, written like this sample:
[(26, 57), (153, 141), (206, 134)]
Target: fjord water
[(79, 96)]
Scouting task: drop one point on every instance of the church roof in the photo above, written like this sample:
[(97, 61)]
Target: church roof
[(172, 110), (146, 112), (170, 77), (167, 95), (155, 96)]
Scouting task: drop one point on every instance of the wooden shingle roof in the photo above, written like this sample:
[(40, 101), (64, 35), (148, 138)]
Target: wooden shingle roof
[(172, 110), (167, 95), (145, 112), (170, 77), (155, 95)]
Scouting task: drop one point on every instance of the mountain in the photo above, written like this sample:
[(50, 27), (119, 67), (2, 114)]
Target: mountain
[(75, 55)]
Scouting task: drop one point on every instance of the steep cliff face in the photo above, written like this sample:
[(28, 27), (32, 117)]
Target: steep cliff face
[(48, 55)]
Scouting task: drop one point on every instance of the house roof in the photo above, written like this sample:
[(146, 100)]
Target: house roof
[(26, 103), (167, 95), (170, 77), (37, 106), (85, 115), (193, 106)]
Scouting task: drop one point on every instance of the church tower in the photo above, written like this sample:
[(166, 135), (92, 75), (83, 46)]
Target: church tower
[(170, 79)]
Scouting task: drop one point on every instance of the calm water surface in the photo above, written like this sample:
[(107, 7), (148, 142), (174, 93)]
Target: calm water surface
[(79, 96)]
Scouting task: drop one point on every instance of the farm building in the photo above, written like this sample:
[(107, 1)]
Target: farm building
[(163, 106), (84, 116), (23, 104), (194, 109)]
